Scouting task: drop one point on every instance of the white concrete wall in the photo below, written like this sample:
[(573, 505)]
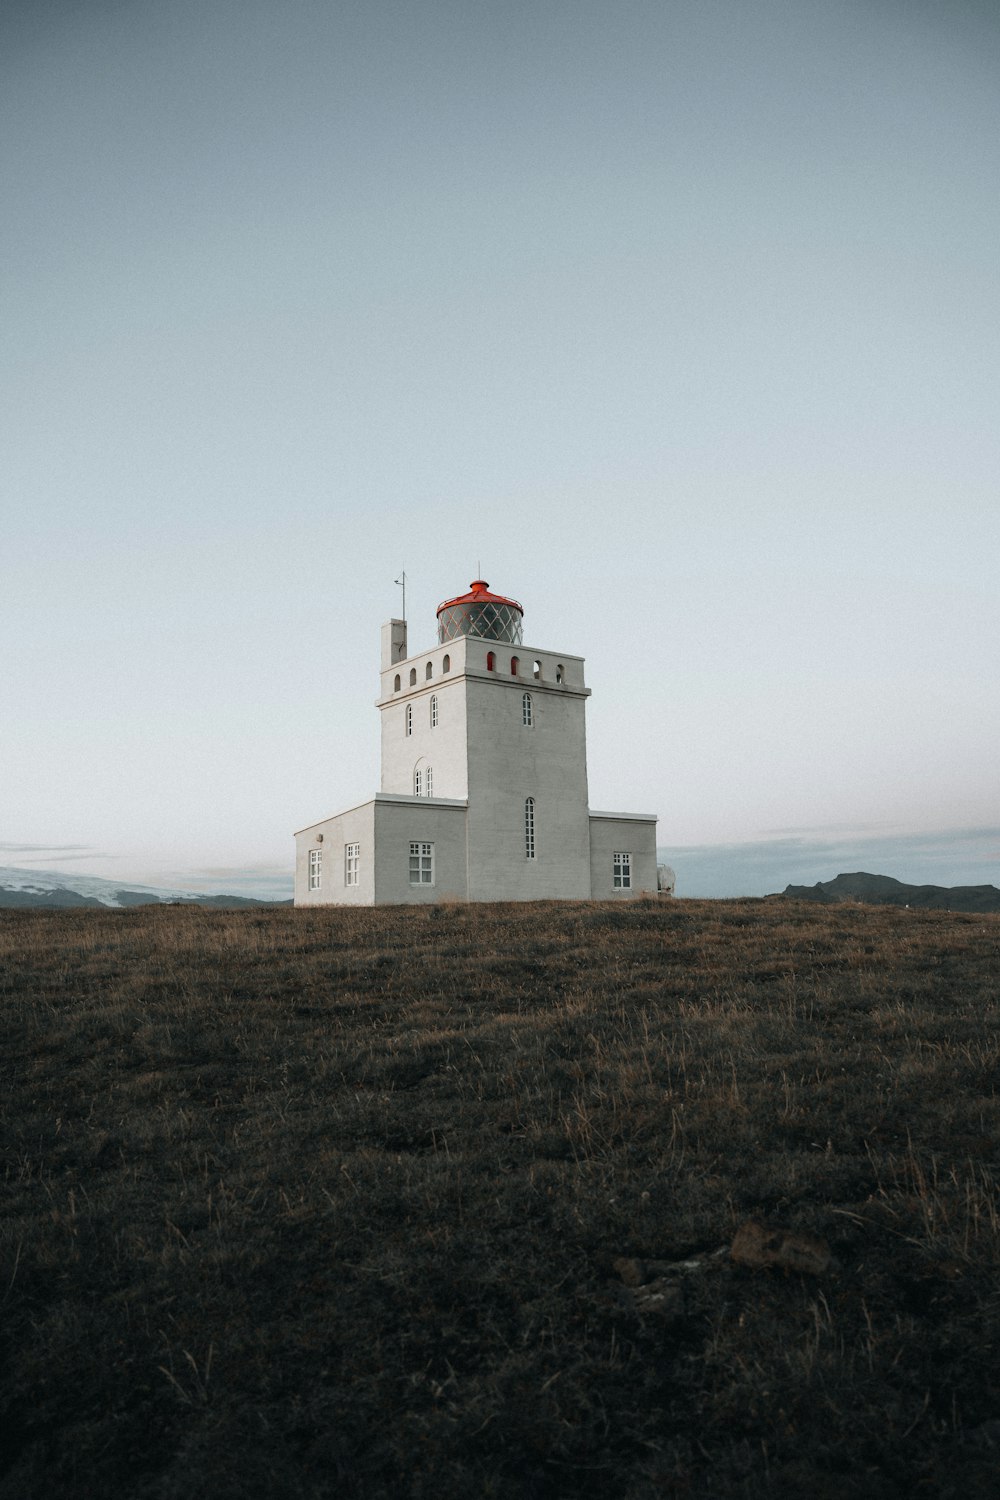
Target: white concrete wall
[(481, 751), (508, 763), (355, 826), (556, 669), (397, 822), (444, 747), (393, 643), (433, 657), (631, 833)]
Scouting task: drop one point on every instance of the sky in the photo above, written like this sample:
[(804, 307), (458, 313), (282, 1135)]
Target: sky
[(676, 321)]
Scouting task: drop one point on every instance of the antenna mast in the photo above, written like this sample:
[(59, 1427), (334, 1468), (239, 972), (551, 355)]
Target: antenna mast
[(401, 581)]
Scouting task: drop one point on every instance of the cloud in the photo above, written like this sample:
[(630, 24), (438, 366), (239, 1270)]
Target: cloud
[(48, 849), (64, 859), (266, 881), (844, 829)]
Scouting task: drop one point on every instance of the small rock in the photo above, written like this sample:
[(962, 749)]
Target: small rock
[(630, 1269), (661, 1298), (635, 1272), (762, 1246)]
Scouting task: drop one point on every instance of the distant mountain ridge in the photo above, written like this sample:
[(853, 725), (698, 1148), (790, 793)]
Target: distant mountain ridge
[(54, 888), (882, 890)]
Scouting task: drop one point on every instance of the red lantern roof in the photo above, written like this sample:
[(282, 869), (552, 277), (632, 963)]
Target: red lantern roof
[(479, 593), (491, 617)]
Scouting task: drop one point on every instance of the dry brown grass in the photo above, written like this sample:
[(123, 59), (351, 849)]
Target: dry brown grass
[(316, 1203)]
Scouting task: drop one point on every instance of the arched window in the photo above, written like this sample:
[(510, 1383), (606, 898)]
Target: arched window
[(434, 710), (429, 671), (560, 672), (513, 666), (413, 677), (490, 661), (418, 782), (526, 716), (430, 781), (409, 718), (446, 664), (396, 685), (537, 671), (529, 828)]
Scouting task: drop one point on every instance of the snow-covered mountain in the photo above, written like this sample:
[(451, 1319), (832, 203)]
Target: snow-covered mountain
[(56, 888)]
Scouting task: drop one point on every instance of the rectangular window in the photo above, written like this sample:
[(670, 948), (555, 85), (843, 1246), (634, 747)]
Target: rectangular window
[(315, 869), (622, 872), (352, 863), (430, 781), (421, 864)]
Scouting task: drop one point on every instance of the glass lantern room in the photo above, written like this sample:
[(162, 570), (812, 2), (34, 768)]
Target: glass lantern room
[(491, 617)]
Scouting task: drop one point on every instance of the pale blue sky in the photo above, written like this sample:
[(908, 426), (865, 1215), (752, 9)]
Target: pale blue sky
[(680, 319)]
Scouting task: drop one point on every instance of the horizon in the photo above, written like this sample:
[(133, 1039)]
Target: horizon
[(714, 871), (675, 322)]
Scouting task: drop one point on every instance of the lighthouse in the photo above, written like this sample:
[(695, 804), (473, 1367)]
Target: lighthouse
[(484, 792)]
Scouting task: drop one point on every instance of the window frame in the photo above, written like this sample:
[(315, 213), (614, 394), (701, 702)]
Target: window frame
[(527, 712), (529, 828), (421, 862), (621, 870), (352, 864), (315, 870), (409, 718), (434, 712)]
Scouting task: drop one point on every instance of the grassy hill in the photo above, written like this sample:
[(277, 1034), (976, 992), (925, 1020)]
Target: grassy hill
[(882, 890), (438, 1202)]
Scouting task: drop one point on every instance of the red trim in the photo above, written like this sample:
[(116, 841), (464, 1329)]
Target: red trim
[(479, 593)]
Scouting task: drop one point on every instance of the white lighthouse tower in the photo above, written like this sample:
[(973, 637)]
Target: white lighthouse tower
[(484, 779)]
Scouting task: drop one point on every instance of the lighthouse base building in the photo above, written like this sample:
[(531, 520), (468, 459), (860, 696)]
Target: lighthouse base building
[(484, 780)]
